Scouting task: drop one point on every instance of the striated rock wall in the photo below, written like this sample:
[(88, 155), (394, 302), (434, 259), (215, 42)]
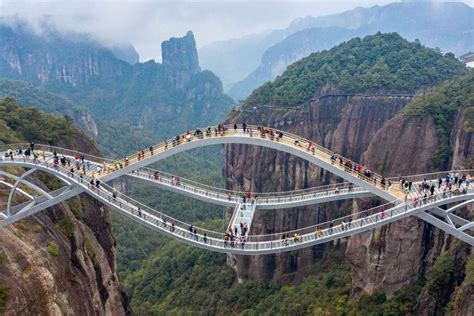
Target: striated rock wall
[(370, 130), (60, 261), (396, 255), (180, 54), (79, 279), (342, 123)]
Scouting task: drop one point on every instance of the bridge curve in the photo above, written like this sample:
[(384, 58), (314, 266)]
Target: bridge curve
[(265, 137), (228, 198), (252, 245)]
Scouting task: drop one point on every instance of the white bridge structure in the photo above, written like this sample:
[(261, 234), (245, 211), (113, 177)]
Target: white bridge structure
[(443, 205)]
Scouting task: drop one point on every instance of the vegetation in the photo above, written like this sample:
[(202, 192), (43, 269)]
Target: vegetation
[(53, 249), (439, 274), (3, 297), (470, 270), (442, 104), (19, 124), (29, 95), (66, 226), (114, 139), (381, 63), (174, 278)]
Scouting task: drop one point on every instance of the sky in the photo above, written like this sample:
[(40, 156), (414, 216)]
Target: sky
[(146, 23)]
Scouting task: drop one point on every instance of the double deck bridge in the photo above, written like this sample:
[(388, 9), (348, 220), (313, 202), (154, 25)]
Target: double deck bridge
[(90, 174)]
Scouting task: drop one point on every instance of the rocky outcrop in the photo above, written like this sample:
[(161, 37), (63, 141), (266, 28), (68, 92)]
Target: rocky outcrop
[(374, 131), (342, 123), (87, 121), (181, 53), (399, 254), (62, 262), (162, 98)]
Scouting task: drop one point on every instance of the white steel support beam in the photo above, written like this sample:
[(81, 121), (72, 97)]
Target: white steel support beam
[(30, 210), (460, 234), (18, 189), (18, 181)]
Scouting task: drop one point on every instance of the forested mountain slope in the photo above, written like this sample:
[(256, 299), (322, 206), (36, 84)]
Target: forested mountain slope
[(160, 98), (62, 260), (447, 26)]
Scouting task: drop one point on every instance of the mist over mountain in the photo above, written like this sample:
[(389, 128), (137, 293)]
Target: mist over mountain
[(448, 26), (394, 105), (161, 98)]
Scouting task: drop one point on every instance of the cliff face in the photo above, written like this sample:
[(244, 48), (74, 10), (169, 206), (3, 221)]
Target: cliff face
[(79, 278), (147, 95), (342, 123), (181, 52), (78, 63), (378, 132), (60, 261), (180, 55)]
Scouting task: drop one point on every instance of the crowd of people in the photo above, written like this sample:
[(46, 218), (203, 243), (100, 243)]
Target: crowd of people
[(420, 192), (429, 190), (28, 153)]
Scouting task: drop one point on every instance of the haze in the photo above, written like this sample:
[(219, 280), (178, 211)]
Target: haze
[(146, 24)]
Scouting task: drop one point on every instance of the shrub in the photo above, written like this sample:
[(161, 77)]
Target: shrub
[(3, 297), (66, 226), (53, 249)]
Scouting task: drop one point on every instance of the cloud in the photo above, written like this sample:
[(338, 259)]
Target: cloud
[(146, 24)]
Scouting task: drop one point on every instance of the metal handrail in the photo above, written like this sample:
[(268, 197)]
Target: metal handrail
[(225, 194), (309, 234)]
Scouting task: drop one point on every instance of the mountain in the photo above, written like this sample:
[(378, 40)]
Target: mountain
[(448, 26), (105, 133), (125, 52), (381, 63), (61, 260), (296, 46), (29, 95), (233, 59), (363, 108), (160, 98)]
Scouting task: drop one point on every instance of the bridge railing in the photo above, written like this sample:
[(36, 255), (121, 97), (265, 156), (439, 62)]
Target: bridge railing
[(122, 201), (288, 138), (41, 149), (345, 223), (254, 242), (224, 194), (433, 176)]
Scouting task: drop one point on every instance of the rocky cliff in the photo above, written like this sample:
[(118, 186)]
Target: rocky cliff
[(60, 261), (181, 53), (342, 123), (444, 25), (389, 133), (148, 95)]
